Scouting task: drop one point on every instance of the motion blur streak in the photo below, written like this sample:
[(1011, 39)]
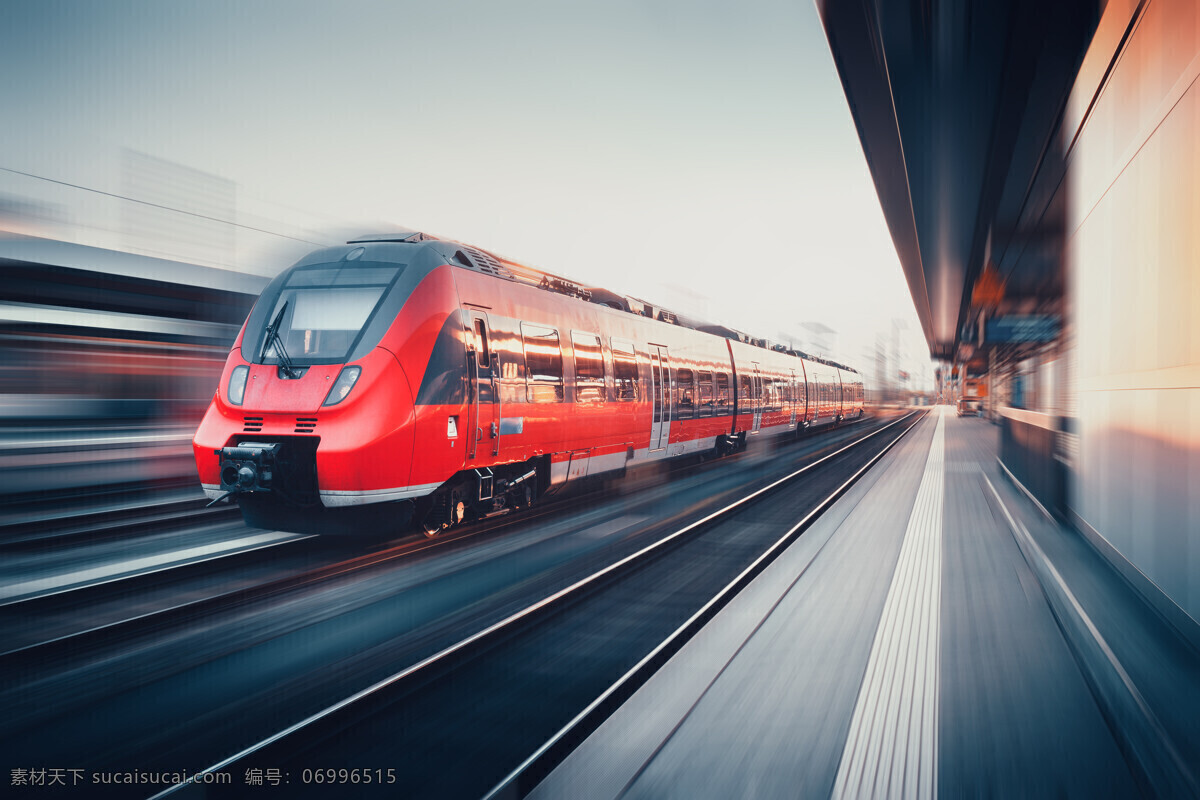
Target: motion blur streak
[(109, 360)]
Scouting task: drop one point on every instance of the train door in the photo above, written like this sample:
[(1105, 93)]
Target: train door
[(660, 389), (793, 388), (483, 374), (812, 395), (819, 395), (825, 405), (757, 401)]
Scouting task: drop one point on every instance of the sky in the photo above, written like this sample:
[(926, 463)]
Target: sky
[(697, 155)]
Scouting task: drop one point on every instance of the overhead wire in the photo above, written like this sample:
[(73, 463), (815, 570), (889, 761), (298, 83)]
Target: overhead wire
[(160, 206)]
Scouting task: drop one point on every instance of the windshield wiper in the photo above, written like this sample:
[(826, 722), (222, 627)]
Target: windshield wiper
[(273, 338)]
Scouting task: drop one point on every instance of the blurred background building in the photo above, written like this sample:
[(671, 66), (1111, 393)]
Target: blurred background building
[(206, 234), (117, 312)]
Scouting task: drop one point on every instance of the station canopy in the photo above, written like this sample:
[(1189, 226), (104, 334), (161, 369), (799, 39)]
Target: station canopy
[(959, 108)]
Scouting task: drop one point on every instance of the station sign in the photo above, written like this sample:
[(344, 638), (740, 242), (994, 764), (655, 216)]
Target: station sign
[(1024, 328)]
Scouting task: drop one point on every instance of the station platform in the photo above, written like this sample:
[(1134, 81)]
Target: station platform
[(934, 632)]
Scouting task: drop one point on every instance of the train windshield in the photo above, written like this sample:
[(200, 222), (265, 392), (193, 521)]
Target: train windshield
[(321, 311)]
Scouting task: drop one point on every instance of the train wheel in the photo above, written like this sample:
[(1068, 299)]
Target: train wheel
[(458, 507), (437, 519), (524, 494), (522, 497)]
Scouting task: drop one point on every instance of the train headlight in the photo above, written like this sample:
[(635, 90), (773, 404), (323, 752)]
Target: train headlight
[(342, 386), (237, 384)]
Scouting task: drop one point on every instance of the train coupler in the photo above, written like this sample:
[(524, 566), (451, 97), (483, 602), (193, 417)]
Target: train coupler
[(247, 467)]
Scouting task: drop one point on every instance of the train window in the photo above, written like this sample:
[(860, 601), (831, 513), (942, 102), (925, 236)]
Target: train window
[(509, 356), (625, 371), (685, 394), (481, 342), (589, 368), (323, 313), (543, 364), (777, 395), (745, 391), (704, 394), (341, 275), (724, 397), (322, 322)]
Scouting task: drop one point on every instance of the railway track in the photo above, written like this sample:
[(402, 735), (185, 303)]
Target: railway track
[(564, 662), (89, 583), (332, 562), (61, 484), (50, 522), (297, 562)]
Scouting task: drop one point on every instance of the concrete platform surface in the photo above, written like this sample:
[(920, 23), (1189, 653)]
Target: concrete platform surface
[(933, 633)]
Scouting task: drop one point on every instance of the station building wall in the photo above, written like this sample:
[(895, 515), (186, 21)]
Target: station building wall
[(1133, 255)]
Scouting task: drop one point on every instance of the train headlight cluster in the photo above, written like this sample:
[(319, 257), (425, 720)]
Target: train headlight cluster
[(342, 386), (237, 384)]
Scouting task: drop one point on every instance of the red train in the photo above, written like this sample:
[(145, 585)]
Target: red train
[(406, 379)]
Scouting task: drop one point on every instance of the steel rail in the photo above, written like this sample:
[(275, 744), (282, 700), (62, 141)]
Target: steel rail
[(31, 533), (36, 597)]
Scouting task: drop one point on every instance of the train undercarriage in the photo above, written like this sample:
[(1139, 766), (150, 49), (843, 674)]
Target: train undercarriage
[(482, 493)]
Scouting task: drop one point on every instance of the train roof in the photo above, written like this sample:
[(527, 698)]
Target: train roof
[(423, 250)]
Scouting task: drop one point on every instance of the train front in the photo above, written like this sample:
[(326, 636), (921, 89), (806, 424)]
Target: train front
[(311, 426)]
